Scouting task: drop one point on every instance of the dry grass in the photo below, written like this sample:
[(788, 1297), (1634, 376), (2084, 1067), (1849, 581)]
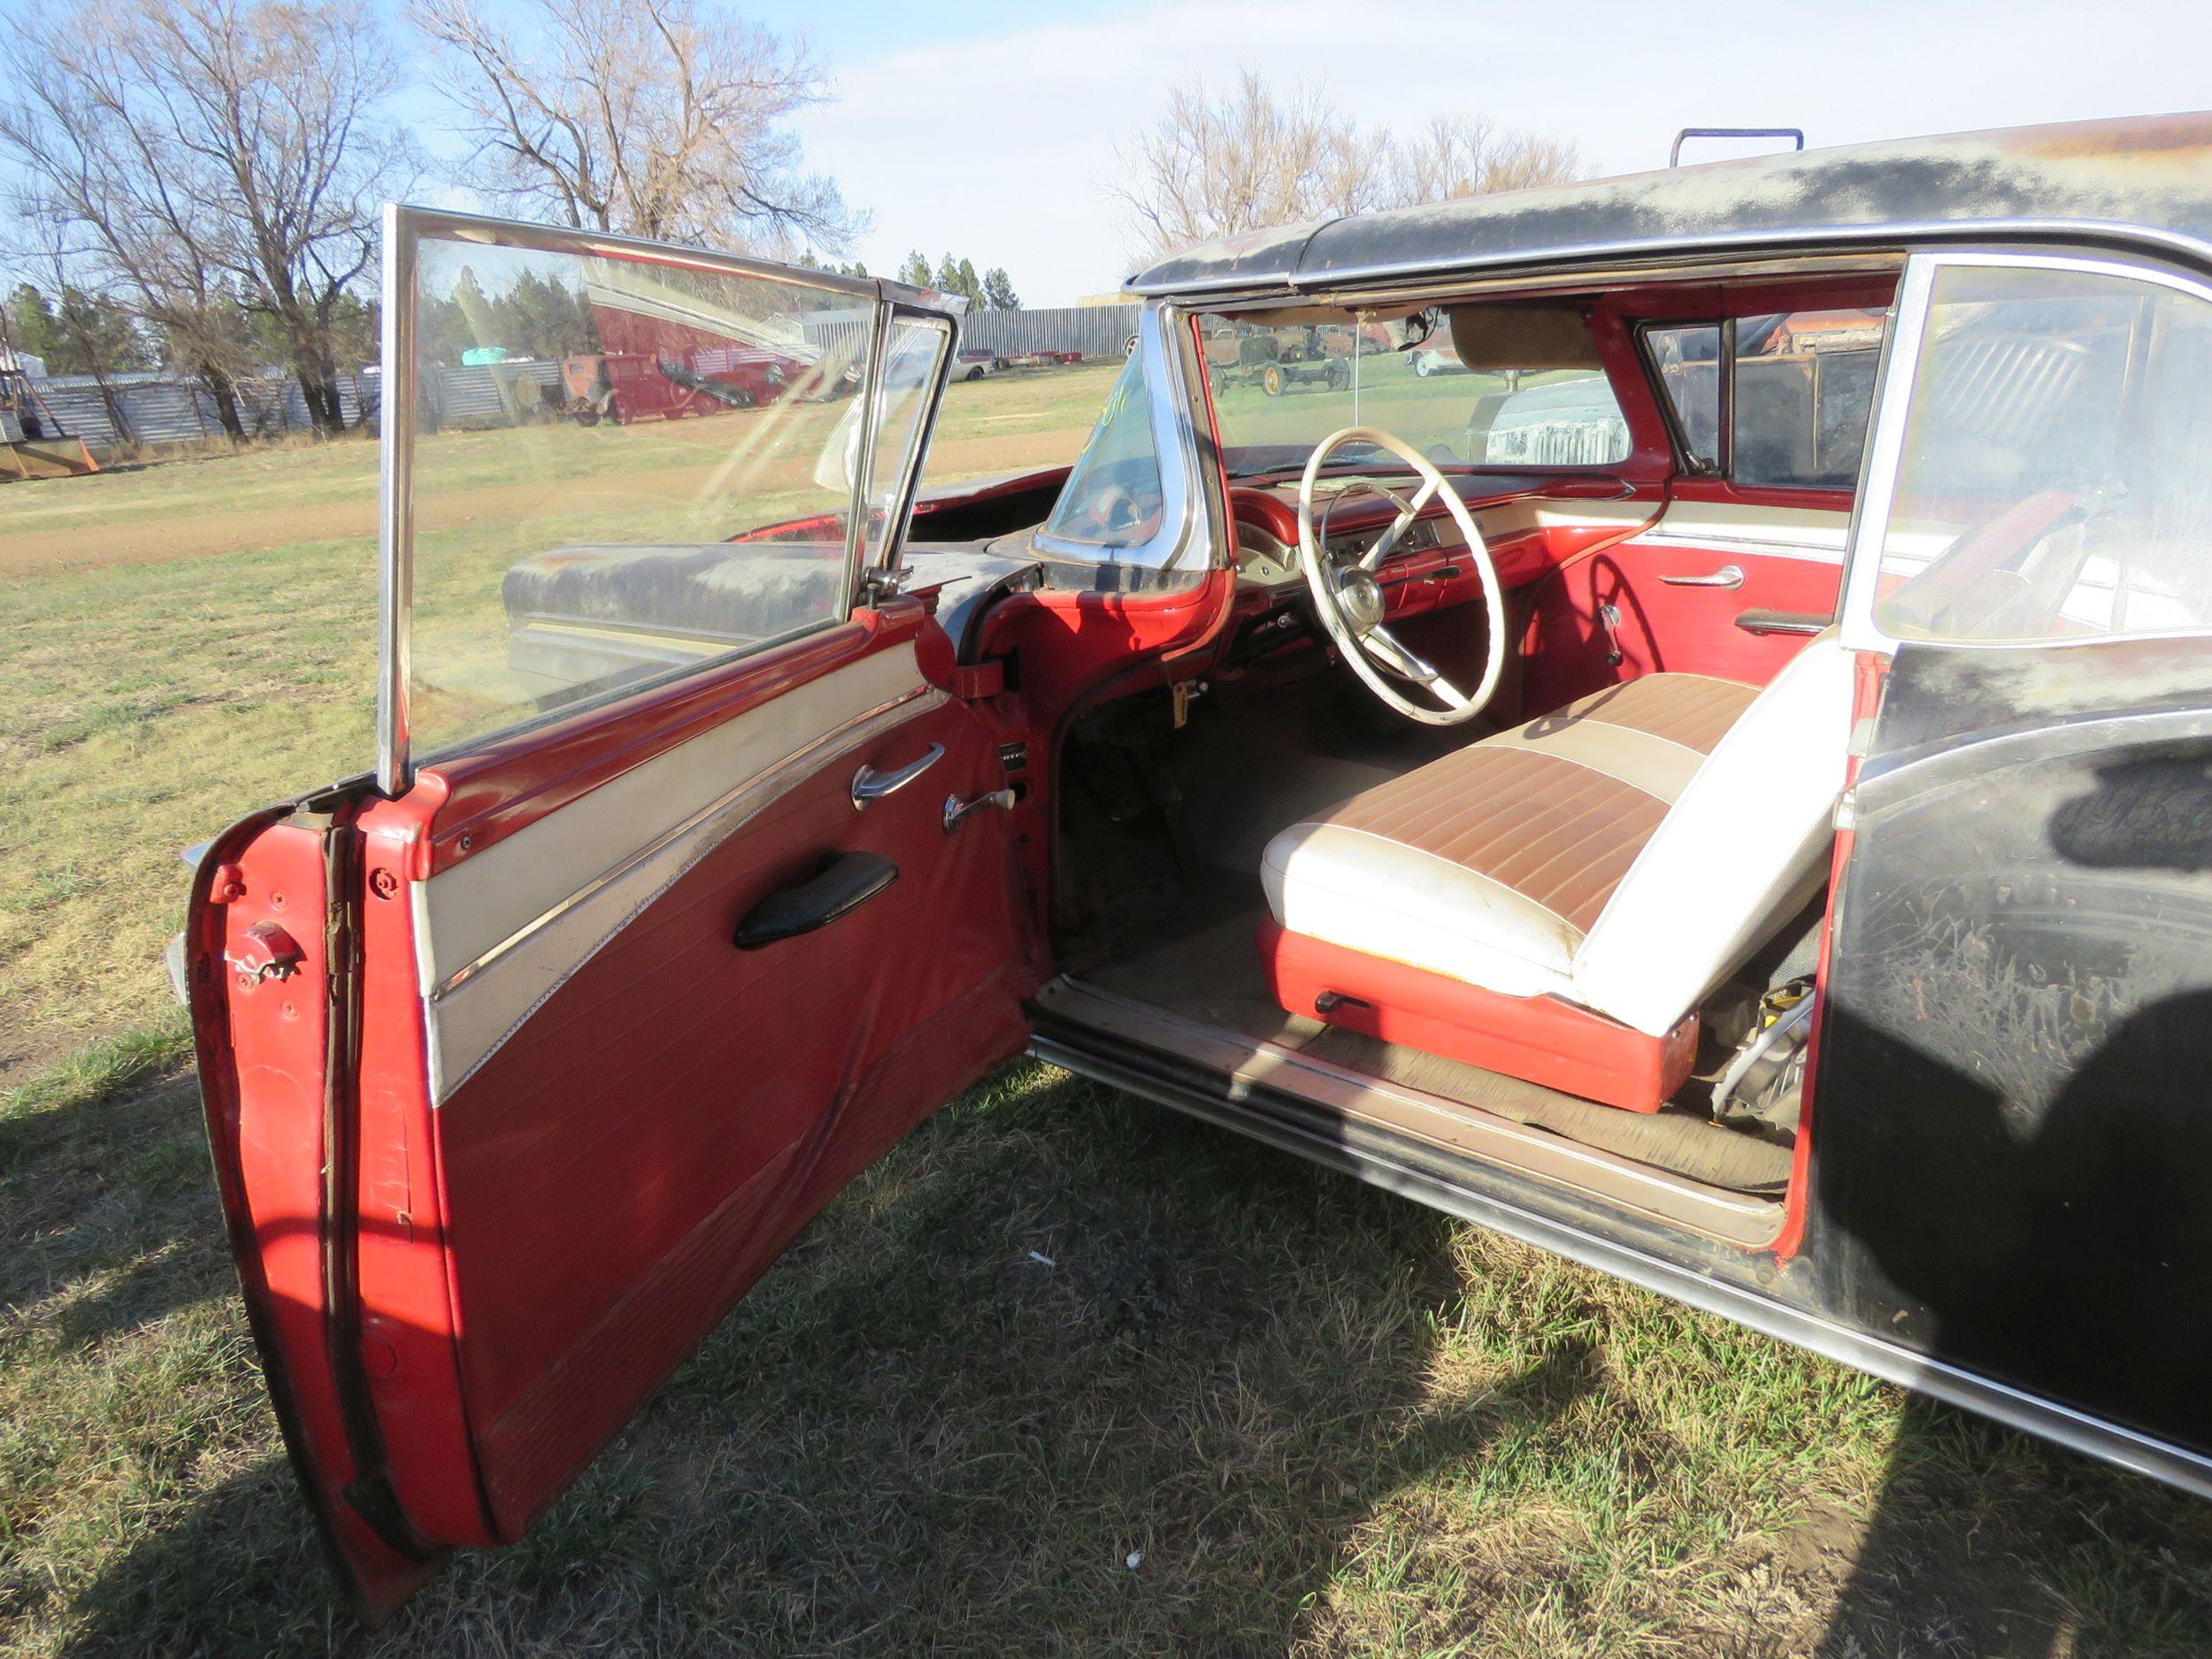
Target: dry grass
[(1324, 1421)]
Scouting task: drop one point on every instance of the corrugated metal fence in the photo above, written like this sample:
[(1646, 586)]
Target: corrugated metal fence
[(162, 409), (168, 408), (1096, 331)]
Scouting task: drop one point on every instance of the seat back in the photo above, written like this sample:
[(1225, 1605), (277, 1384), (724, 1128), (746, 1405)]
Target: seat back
[(1745, 844)]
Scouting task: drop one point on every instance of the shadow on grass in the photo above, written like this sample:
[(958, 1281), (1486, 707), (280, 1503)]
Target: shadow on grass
[(1068, 1376)]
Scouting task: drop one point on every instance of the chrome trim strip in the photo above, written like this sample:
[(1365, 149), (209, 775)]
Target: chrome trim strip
[(900, 516), (870, 394), (1869, 519), (511, 232), (1590, 1171), (1782, 240), (1893, 380), (2077, 1431), (395, 503), (799, 761)]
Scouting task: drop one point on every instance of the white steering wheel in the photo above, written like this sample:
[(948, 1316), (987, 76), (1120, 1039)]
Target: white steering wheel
[(1350, 599)]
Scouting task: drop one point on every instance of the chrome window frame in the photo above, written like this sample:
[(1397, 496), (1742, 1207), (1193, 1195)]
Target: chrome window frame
[(405, 230), (1174, 443), (1901, 353)]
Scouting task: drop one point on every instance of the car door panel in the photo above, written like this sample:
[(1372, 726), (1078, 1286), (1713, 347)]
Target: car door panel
[(506, 1114), (685, 1152), (1668, 626), (2012, 1145)]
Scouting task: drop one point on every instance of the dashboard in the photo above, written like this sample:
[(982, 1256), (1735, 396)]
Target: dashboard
[(1267, 553)]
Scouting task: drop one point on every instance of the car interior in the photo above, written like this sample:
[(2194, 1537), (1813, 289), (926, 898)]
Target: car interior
[(1569, 918)]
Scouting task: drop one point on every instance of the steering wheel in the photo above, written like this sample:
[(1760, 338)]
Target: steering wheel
[(1350, 599)]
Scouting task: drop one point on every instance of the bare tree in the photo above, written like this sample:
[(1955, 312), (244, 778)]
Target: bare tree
[(1250, 158), (1455, 155), (192, 155), (1215, 166), (653, 118)]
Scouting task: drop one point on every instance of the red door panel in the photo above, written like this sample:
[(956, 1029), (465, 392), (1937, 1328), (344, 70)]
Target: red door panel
[(472, 1280), (1664, 626)]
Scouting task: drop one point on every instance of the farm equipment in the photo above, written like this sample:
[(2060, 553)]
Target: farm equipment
[(1275, 360), (32, 442)]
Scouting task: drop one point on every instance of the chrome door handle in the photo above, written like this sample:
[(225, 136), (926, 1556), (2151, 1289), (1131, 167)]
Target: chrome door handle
[(1727, 576), (872, 785)]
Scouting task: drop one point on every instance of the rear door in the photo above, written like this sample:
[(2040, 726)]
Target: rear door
[(659, 919), (2012, 1140)]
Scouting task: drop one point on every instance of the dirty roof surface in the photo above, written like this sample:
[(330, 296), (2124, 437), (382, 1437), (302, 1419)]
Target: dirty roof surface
[(2146, 178)]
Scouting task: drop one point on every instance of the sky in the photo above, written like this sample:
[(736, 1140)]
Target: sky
[(992, 130)]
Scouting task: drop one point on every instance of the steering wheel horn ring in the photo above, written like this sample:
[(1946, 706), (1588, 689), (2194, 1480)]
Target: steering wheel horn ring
[(1350, 600)]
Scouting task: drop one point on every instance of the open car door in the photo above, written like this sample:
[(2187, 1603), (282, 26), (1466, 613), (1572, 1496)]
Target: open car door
[(661, 916)]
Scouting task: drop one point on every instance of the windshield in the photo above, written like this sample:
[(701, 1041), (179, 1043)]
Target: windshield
[(1280, 389)]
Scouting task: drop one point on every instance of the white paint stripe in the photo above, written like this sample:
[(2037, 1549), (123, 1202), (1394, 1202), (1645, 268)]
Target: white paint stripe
[(498, 933)]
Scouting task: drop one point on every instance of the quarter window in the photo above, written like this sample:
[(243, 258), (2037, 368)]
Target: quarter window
[(1113, 499), (2051, 481)]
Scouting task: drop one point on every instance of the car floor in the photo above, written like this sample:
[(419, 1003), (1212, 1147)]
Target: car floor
[(1174, 906), (1212, 974)]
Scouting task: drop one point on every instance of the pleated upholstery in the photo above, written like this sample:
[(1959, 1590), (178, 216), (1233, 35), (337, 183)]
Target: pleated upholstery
[(1557, 810), (1557, 833)]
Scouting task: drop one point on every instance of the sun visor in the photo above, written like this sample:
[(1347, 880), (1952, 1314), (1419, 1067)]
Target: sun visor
[(1522, 337)]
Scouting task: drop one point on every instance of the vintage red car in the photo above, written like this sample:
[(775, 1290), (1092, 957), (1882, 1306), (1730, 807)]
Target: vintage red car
[(1720, 789)]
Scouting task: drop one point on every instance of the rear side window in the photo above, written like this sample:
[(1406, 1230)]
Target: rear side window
[(1798, 388), (1804, 393)]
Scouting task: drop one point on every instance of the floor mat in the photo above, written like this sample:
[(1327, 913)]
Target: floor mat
[(1212, 974)]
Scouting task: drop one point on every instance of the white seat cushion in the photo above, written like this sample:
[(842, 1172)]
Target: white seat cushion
[(1624, 853)]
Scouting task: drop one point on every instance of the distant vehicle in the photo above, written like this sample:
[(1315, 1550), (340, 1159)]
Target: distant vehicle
[(973, 365), (1436, 360)]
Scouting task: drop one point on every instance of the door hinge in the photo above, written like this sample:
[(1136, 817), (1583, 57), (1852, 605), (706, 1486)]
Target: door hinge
[(878, 585), (1846, 810)]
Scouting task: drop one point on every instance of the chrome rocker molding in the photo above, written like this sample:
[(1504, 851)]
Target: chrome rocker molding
[(1374, 1155)]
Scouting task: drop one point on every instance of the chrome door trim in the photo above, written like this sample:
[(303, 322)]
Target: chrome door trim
[(799, 762), (2077, 1431), (395, 501), (1885, 446), (1727, 576), (901, 513)]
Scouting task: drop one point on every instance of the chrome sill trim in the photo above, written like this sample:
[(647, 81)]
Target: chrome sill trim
[(1733, 1218), (2077, 1431), (799, 761)]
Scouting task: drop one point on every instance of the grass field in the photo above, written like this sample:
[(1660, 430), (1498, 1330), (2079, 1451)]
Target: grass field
[(1242, 1407)]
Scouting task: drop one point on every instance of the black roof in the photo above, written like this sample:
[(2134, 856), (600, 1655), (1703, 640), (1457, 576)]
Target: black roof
[(2146, 180)]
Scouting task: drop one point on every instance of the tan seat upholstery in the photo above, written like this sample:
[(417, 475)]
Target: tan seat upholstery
[(1623, 853)]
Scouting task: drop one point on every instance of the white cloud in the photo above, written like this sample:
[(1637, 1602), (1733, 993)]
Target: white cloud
[(1003, 148)]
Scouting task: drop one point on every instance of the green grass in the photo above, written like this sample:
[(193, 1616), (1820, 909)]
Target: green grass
[(1328, 1422)]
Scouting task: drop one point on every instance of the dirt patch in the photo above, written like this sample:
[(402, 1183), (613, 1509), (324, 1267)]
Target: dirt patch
[(214, 533)]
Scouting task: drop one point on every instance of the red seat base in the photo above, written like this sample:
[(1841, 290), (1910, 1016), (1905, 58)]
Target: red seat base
[(1541, 1038)]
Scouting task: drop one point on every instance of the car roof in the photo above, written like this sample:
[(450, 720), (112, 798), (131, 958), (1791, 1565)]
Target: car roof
[(2141, 180)]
